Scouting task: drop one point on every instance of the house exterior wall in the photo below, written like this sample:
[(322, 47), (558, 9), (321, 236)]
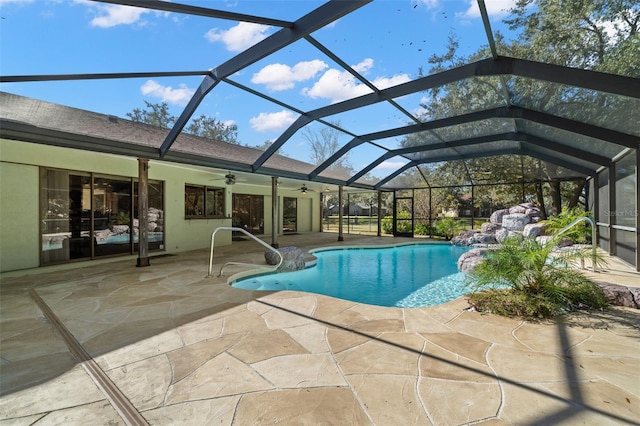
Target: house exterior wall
[(308, 220), (19, 199), (19, 216), (187, 234), (305, 214)]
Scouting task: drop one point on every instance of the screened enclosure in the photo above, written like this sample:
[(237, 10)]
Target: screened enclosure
[(535, 105)]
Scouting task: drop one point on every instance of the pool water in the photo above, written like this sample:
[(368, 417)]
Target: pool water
[(405, 276)]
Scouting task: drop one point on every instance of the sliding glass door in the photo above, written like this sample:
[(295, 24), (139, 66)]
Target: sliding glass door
[(248, 212), (289, 215), (112, 206), (65, 214), (85, 216)]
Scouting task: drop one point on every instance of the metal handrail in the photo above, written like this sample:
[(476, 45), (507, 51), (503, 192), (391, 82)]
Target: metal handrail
[(244, 231), (593, 236)]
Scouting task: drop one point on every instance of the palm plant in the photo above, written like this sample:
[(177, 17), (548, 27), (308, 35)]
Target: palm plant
[(529, 279), (579, 233), (447, 227)]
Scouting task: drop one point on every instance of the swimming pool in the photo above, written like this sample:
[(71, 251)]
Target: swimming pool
[(405, 276)]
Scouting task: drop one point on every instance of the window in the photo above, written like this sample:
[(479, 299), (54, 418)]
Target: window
[(112, 207), (85, 216), (290, 215), (66, 215), (248, 212), (203, 202)]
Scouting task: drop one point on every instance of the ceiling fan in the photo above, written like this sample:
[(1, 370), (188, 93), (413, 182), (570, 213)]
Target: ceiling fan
[(304, 189), (229, 178), (282, 183)]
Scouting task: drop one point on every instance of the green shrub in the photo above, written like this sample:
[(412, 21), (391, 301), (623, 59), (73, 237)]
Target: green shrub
[(580, 233), (538, 283), (447, 227), (404, 226), (421, 229), (512, 304), (387, 224)]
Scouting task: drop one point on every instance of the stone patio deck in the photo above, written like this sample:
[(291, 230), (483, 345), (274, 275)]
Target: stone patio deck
[(166, 345)]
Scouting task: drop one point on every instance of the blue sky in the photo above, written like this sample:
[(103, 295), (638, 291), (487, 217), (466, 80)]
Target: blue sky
[(387, 41)]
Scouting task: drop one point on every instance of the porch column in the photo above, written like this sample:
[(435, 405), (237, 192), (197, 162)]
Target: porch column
[(612, 209), (430, 207), (143, 212), (595, 204), (637, 209), (340, 236), (274, 212), (473, 216), (379, 213), (321, 212)]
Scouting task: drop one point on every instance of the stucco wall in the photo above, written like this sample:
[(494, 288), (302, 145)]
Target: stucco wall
[(19, 221), (19, 208), (305, 214), (187, 234)]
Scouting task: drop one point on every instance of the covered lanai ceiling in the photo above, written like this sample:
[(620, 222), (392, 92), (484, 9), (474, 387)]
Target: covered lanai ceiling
[(576, 135)]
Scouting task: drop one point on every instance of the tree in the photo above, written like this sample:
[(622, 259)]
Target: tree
[(601, 35), (590, 34), (203, 126), (266, 145), (154, 114), (210, 128), (324, 143)]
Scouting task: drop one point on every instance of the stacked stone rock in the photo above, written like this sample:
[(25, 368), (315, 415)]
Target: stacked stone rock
[(521, 221), (292, 259)]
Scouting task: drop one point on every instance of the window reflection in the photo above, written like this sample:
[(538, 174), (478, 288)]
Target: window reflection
[(203, 202), (290, 215), (65, 216), (84, 217), (248, 212), (112, 216)]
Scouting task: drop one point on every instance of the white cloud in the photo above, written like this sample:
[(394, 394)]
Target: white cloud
[(495, 9), (240, 37), (270, 122), (282, 77), (112, 15), (340, 85), (384, 82), (168, 94), (5, 2), (364, 66), (430, 4)]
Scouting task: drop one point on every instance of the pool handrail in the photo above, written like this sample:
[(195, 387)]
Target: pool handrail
[(593, 236), (244, 231)]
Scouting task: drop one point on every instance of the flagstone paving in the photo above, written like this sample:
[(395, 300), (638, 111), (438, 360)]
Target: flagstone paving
[(184, 348)]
